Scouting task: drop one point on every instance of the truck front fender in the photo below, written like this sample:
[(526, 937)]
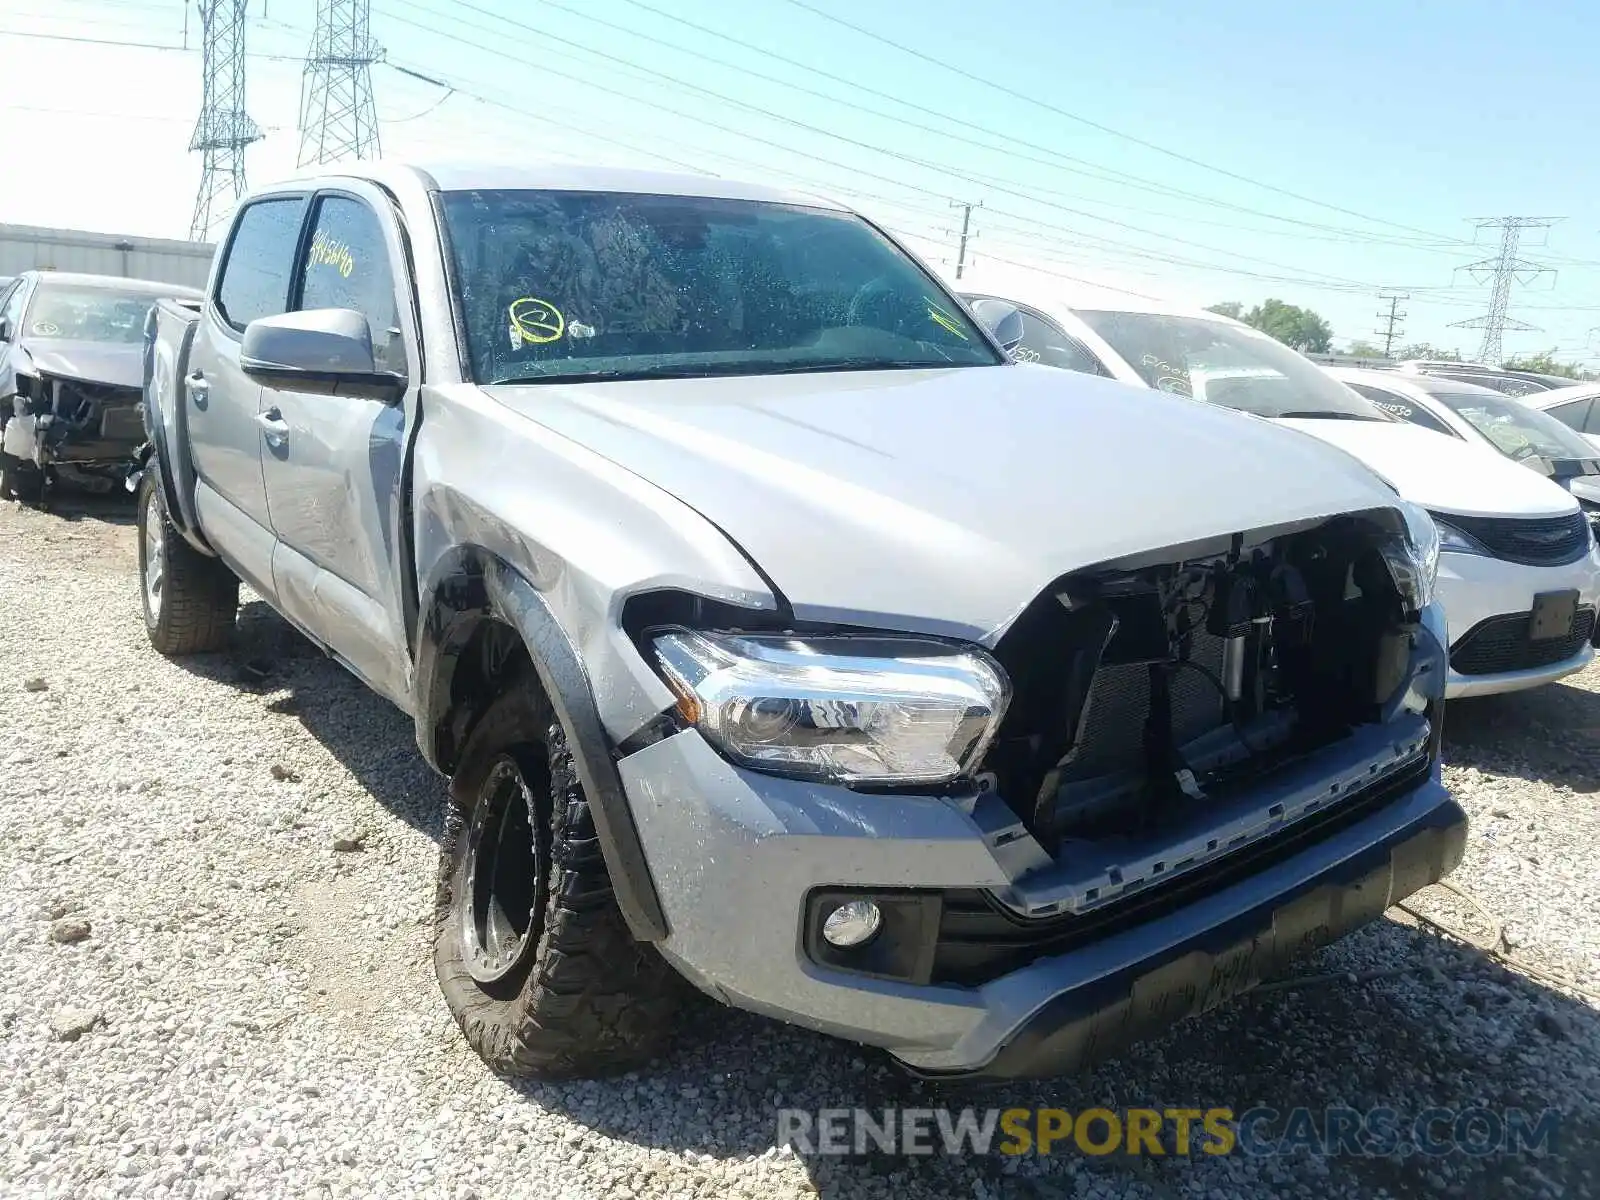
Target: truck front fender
[(471, 586)]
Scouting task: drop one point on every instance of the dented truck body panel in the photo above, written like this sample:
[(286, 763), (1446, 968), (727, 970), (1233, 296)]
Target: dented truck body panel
[(882, 469), (555, 525)]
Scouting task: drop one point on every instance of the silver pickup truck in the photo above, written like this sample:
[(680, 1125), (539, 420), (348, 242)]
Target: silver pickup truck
[(779, 634)]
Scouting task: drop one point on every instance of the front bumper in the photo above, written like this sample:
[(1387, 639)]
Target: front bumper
[(738, 856), (1474, 588), (108, 438), (1225, 945)]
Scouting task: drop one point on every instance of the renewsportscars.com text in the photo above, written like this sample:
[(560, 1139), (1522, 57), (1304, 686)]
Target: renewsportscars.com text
[(1255, 1132)]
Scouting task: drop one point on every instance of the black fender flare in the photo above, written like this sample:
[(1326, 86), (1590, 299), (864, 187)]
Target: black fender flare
[(471, 584)]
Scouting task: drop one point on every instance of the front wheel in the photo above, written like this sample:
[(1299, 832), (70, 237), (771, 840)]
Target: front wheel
[(533, 956), (190, 599)]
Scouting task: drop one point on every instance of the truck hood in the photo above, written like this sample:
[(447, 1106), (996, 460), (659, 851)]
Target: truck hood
[(943, 501), (117, 363), (1443, 473)]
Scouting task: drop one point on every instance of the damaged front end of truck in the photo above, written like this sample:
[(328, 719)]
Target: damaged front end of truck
[(1169, 713), (1183, 769)]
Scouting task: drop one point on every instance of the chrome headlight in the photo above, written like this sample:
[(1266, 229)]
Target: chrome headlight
[(1414, 562), (852, 710)]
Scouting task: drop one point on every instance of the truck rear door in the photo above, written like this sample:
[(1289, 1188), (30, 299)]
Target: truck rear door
[(223, 404)]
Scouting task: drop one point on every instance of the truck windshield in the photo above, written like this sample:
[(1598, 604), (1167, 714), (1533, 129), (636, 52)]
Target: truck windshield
[(88, 314), (557, 285), (1515, 429), (1227, 364)]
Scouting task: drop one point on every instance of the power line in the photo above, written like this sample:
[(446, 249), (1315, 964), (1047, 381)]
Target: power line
[(1504, 268), (1328, 283), (542, 113), (723, 99), (224, 129), (338, 118), (128, 44), (990, 140), (1082, 120), (1391, 331)]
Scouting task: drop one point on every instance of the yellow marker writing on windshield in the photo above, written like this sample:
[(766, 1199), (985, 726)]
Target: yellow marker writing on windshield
[(942, 318), (536, 321)]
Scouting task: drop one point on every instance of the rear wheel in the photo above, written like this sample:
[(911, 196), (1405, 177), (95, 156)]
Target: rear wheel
[(533, 956), (190, 599)]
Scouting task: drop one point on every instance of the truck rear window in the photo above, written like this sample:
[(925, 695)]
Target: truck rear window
[(557, 285)]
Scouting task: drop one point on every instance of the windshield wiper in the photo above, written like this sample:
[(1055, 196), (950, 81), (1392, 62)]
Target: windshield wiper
[(622, 376), (707, 370), (865, 364), (1324, 415)]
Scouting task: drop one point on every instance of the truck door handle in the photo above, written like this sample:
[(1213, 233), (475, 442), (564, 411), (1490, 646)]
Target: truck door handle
[(273, 427), (199, 389)]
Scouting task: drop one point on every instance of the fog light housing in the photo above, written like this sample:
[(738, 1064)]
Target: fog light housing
[(903, 924), (854, 923)]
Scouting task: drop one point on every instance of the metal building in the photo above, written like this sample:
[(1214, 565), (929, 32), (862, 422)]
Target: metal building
[(28, 247)]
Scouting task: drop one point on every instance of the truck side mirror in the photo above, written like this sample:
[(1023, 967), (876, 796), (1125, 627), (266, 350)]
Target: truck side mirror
[(325, 350), (5, 330), (1002, 319)]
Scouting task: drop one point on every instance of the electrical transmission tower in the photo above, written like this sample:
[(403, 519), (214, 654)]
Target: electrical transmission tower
[(338, 118), (224, 128), (1503, 268), (1391, 331)]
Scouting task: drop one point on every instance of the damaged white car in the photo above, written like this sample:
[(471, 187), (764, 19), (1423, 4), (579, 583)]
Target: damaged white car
[(72, 378)]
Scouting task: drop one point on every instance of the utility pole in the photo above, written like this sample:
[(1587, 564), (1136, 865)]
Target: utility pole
[(1503, 268), (338, 118), (1391, 331), (966, 226), (224, 128)]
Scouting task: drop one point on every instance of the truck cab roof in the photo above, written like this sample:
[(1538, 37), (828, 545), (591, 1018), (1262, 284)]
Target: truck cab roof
[(558, 176)]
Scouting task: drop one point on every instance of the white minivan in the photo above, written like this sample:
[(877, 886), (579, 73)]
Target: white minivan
[(1519, 576)]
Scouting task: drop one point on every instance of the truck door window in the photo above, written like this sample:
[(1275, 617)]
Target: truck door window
[(255, 278), (347, 266)]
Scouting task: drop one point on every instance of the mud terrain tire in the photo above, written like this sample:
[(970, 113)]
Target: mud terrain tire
[(565, 992)]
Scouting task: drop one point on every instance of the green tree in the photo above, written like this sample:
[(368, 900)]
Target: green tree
[(1545, 364), (1364, 349), (1425, 350), (1292, 325), (1297, 327)]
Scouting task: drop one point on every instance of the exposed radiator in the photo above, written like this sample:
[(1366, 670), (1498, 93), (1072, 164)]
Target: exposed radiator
[(1119, 704)]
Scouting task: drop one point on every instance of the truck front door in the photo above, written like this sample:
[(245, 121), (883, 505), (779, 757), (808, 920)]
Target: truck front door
[(223, 403), (334, 465)]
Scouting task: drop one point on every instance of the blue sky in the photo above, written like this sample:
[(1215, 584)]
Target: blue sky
[(1313, 153)]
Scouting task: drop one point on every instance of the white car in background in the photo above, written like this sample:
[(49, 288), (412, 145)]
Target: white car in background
[(1519, 576), (1575, 407), (1518, 428)]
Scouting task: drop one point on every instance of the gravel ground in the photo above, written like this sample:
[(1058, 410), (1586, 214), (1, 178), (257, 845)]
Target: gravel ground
[(216, 974)]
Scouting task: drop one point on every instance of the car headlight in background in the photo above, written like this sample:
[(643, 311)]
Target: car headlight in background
[(1414, 561), (1458, 541), (846, 709)]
